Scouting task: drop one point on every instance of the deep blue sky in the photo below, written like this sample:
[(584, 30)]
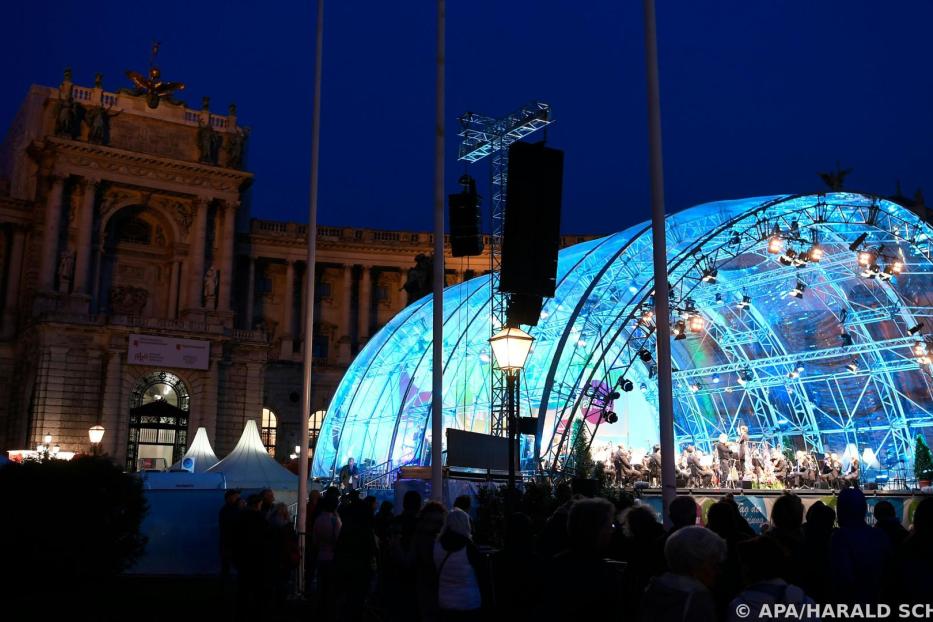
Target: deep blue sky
[(758, 97)]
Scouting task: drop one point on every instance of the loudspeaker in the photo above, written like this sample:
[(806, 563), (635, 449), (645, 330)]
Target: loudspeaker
[(466, 226), (187, 464), (528, 425), (747, 484), (523, 309), (531, 232)]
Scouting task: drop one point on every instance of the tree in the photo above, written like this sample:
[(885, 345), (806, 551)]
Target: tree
[(68, 526), (580, 449), (923, 460)]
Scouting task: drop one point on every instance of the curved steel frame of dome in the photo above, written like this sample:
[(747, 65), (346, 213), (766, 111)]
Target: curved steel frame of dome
[(869, 389)]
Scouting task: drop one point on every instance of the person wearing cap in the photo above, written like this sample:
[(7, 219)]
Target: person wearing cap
[(455, 563)]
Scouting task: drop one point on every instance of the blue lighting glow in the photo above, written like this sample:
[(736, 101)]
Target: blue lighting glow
[(733, 370)]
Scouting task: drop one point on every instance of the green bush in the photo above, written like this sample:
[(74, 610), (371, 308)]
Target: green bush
[(69, 524)]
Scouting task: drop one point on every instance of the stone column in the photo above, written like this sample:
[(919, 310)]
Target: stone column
[(196, 255), (115, 415), (85, 231), (227, 240), (53, 219), (366, 303), (250, 293), (172, 310), (208, 402), (13, 278), (287, 349), (345, 311)]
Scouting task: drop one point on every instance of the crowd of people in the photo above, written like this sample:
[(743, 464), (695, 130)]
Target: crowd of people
[(592, 557), (731, 463)]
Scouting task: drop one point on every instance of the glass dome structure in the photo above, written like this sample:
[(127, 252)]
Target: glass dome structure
[(802, 317)]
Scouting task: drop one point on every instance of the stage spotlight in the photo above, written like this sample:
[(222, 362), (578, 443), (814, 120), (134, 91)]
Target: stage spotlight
[(736, 239), (626, 385), (745, 302), (643, 387), (846, 339), (680, 330), (718, 298), (799, 367), (611, 417), (690, 306), (793, 374), (694, 387), (644, 355), (744, 376), (696, 323), (613, 396), (913, 330), (652, 371), (709, 275), (798, 290), (920, 349), (788, 258), (852, 367), (647, 317), (775, 244), (815, 253), (857, 242)]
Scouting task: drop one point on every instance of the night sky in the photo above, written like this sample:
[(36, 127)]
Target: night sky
[(758, 97)]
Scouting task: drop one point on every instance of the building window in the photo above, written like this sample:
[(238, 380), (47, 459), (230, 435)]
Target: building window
[(134, 230), (322, 290), (320, 347), (315, 421), (267, 431)]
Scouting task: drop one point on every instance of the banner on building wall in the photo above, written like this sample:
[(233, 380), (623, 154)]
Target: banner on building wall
[(159, 351)]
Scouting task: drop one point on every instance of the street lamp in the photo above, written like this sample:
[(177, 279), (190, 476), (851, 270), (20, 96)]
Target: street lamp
[(96, 435), (510, 348)]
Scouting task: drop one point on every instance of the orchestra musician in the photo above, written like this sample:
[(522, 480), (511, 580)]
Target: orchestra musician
[(852, 473), (743, 450), (616, 460), (724, 455), (779, 465), (654, 464), (700, 475), (831, 469)]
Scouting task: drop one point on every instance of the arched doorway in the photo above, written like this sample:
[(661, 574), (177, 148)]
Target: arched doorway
[(158, 422), (267, 431)]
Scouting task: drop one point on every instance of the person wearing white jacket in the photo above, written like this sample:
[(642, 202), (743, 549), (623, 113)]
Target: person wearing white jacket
[(455, 560)]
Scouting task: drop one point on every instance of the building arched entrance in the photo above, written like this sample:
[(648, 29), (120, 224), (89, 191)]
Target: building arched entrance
[(158, 431)]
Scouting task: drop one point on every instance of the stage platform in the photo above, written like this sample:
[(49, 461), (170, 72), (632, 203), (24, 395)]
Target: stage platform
[(755, 505)]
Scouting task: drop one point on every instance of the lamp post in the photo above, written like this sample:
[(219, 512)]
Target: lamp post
[(96, 435), (510, 348)]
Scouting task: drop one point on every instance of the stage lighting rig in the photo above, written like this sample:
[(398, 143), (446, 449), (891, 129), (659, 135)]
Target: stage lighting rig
[(744, 376), (644, 355), (857, 242), (916, 328), (735, 239), (610, 417), (695, 387), (798, 290), (709, 275), (626, 385), (745, 302), (846, 339), (815, 254), (696, 323), (852, 367), (679, 329)]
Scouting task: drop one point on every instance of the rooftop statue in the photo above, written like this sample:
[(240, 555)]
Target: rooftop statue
[(151, 86)]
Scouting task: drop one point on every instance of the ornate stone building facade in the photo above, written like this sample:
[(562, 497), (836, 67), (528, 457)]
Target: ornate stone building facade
[(137, 293)]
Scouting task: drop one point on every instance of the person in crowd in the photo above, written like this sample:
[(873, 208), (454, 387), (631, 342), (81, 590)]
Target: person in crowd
[(721, 520), (817, 532), (787, 530), (517, 569), (463, 502), (859, 555), (740, 520), (382, 520), (456, 561), (693, 555), (886, 521), (398, 562), (553, 537), (324, 538), (682, 512), (268, 503), (355, 560), (250, 558), (349, 475), (284, 553), (915, 558), (763, 563), (430, 522), (583, 563), (637, 545), (227, 520), (314, 509)]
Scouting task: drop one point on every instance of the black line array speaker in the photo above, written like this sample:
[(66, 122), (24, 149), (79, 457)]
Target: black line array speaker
[(531, 232), (466, 232), (523, 309)]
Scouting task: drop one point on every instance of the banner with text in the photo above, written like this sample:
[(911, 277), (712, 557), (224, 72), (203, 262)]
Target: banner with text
[(158, 351)]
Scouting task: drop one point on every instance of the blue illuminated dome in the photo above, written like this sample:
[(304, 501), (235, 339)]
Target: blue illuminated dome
[(799, 317)]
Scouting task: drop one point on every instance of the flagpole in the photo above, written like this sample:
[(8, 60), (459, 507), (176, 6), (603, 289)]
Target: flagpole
[(309, 297), (659, 242), (437, 369)]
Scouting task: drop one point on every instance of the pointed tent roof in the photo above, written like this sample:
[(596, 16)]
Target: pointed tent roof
[(249, 465), (201, 451)]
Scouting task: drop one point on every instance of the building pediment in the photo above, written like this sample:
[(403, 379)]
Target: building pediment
[(71, 157)]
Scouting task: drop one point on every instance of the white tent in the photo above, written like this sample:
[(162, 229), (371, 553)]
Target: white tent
[(200, 452), (249, 465)]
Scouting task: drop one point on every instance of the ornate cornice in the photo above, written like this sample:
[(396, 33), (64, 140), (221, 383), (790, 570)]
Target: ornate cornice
[(110, 163)]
